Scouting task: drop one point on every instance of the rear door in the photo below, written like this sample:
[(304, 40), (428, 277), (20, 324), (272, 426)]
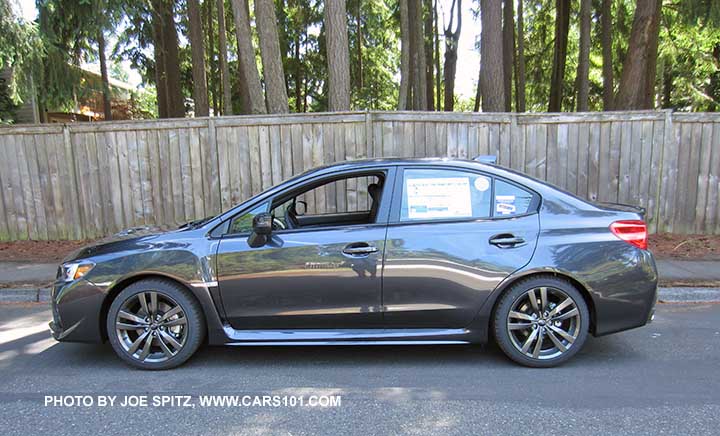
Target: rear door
[(454, 235)]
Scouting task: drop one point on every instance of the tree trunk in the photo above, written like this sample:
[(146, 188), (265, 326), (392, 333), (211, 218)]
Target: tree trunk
[(637, 82), (417, 55), (436, 44), (520, 62), (212, 77), (273, 72), (175, 104), (338, 55), (583, 71), (491, 57), (359, 38), (562, 25), (200, 95), (429, 54), (224, 67), (160, 74), (107, 108), (607, 55), (298, 76), (508, 51), (451, 47), (246, 57), (176, 101), (404, 94)]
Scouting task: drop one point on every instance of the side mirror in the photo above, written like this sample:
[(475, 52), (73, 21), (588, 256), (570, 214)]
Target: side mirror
[(262, 228)]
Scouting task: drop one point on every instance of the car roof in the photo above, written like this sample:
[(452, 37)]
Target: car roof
[(395, 161)]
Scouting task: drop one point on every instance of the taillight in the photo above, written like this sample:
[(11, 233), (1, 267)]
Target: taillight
[(631, 231)]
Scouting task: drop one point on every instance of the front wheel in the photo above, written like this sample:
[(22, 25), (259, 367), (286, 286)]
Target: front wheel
[(155, 324), (541, 322)]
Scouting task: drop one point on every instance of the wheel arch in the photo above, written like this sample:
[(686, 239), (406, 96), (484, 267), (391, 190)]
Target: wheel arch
[(201, 294), (487, 313)]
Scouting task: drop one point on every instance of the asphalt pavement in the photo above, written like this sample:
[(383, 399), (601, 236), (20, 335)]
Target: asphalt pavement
[(659, 379)]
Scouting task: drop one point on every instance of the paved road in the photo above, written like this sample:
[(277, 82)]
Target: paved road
[(661, 379)]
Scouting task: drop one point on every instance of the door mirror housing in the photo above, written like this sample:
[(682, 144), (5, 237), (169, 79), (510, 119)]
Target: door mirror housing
[(262, 228)]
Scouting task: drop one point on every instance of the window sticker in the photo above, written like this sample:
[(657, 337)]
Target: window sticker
[(447, 197), (505, 204), (482, 184)]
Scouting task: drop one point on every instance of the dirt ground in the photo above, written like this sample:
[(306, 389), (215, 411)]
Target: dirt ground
[(665, 246), (38, 251), (669, 246)]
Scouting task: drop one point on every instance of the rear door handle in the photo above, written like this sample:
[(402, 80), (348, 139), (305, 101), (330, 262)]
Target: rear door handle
[(507, 241), (359, 249)]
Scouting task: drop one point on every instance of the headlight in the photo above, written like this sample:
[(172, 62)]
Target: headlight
[(75, 270)]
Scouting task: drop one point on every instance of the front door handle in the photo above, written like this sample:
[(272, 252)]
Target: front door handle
[(507, 240), (359, 249)]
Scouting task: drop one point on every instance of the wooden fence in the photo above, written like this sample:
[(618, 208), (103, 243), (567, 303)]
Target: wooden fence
[(82, 181)]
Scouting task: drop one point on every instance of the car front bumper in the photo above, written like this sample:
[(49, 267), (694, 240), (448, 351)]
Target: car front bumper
[(76, 309)]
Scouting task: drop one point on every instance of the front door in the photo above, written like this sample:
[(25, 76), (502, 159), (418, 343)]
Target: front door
[(318, 271)]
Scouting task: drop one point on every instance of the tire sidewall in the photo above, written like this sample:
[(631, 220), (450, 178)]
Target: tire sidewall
[(502, 335), (195, 322)]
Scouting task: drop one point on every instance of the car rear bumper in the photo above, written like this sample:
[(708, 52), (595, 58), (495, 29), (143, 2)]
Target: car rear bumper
[(630, 302)]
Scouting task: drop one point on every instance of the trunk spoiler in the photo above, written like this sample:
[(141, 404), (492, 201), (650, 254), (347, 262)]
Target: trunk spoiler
[(622, 207)]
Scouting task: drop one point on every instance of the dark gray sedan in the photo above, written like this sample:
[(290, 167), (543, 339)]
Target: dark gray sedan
[(431, 251)]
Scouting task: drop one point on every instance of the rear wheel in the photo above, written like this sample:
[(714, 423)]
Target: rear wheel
[(155, 324), (541, 322)]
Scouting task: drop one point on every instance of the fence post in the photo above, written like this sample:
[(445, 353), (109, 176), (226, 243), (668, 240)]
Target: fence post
[(215, 188)]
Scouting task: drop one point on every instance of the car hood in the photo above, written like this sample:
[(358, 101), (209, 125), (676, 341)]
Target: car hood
[(123, 240)]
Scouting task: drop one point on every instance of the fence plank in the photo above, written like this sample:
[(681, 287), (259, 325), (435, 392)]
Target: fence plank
[(571, 183), (594, 161), (703, 175), (275, 154), (712, 210), (655, 175), (38, 174)]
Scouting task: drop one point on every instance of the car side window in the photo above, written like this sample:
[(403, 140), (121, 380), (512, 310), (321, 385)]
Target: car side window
[(430, 194), (243, 223), (510, 199)]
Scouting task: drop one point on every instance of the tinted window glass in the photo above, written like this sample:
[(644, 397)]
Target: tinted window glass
[(340, 196), (444, 194), (243, 223), (511, 200)]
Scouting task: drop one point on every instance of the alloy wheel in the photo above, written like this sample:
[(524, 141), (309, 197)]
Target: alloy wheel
[(543, 323), (151, 327)]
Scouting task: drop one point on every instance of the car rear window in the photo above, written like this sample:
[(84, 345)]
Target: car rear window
[(436, 194)]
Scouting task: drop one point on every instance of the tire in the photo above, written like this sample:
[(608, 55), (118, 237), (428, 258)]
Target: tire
[(171, 337), (560, 325)]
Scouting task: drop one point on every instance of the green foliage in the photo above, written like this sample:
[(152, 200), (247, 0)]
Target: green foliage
[(21, 50), (380, 54), (689, 56), (144, 103), (688, 73), (8, 108)]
